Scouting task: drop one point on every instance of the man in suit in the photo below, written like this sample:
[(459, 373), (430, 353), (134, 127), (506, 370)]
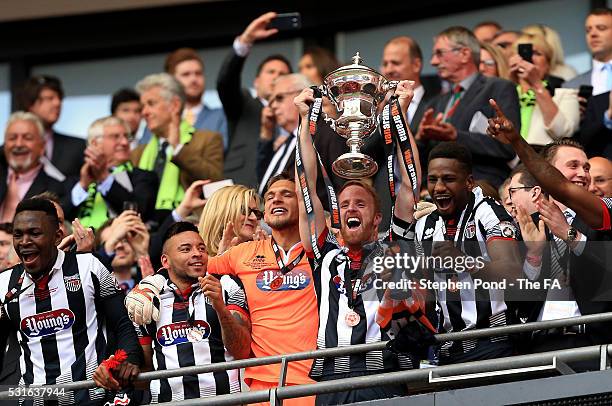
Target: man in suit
[(108, 179), (243, 111), (461, 115), (42, 95), (598, 26), (596, 128), (402, 59), (188, 68), (572, 246), (177, 153), (22, 172)]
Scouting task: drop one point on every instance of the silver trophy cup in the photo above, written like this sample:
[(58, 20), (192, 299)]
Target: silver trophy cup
[(356, 91)]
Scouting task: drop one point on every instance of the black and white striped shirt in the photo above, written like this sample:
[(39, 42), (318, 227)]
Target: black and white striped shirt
[(188, 333), (482, 220), (333, 304), (61, 333)]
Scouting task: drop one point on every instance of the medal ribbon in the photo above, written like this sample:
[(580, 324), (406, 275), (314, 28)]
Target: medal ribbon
[(279, 260), (313, 118), (395, 131)]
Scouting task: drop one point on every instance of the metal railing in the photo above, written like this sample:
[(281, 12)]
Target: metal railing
[(286, 392)]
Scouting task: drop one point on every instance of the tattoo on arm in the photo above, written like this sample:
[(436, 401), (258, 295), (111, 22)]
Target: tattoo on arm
[(236, 333)]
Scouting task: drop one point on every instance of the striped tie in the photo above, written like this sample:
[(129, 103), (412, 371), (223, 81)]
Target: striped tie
[(457, 92)]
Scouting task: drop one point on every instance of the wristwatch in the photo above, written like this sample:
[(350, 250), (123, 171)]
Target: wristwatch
[(572, 233)]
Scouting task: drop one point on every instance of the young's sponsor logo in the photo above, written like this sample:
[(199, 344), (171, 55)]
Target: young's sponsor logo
[(275, 281), (183, 332), (47, 323)]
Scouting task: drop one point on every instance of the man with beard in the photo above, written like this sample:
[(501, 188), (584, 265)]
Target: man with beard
[(478, 232), (278, 284), (188, 68), (61, 304), (199, 323), (22, 172), (344, 278)]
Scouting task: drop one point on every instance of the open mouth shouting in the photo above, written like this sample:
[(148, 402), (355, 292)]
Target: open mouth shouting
[(443, 201), (353, 223), (29, 257)]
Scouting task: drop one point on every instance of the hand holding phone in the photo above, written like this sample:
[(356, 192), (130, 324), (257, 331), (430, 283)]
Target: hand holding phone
[(525, 51), (286, 22)]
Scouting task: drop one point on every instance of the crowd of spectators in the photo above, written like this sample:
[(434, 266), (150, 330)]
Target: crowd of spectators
[(511, 152)]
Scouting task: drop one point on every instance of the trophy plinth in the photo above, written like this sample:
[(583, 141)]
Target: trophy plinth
[(356, 91)]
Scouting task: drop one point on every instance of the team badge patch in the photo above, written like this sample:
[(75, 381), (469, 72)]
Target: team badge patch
[(47, 323), (183, 332), (470, 230), (73, 283), (507, 229)]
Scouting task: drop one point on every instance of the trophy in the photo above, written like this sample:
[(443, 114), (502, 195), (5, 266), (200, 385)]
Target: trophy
[(356, 91)]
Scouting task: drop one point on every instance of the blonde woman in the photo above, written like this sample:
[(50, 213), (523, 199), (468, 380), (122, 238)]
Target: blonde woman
[(492, 61), (233, 211), (547, 114), (557, 61)]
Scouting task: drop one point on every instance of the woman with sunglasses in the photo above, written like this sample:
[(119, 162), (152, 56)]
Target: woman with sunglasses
[(235, 208)]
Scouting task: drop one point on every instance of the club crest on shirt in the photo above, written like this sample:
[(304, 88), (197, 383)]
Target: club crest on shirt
[(470, 230), (47, 323), (183, 332), (507, 229), (258, 262), (73, 282), (359, 285), (275, 281)]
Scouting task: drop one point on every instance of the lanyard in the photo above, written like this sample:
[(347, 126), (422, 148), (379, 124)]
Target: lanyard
[(351, 290), (279, 260), (313, 118), (395, 130)]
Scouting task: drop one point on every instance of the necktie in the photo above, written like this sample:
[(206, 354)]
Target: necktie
[(457, 92), (11, 199), (559, 265), (160, 160)]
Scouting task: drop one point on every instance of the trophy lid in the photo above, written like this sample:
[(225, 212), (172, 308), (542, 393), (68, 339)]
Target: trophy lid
[(355, 66)]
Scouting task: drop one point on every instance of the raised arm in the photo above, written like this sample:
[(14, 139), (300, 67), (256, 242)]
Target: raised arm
[(404, 204), (586, 205), (309, 161)]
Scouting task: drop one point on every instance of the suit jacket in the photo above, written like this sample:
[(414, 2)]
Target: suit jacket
[(68, 154), (583, 79), (43, 182), (208, 119), (490, 157), (243, 113), (589, 281), (200, 158), (563, 125), (594, 136), (144, 189)]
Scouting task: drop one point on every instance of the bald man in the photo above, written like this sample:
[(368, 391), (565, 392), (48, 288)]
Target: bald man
[(601, 176)]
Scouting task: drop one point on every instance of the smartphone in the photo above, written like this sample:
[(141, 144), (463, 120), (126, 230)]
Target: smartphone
[(210, 188), (286, 22), (130, 205), (526, 52), (585, 91)]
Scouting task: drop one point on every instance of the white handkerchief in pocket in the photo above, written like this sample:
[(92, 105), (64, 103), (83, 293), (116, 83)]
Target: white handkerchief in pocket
[(479, 123)]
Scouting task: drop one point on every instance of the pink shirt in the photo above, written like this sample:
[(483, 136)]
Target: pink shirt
[(24, 180)]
